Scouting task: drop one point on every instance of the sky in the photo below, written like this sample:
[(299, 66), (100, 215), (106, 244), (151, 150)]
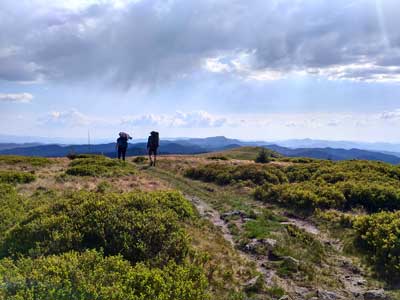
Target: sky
[(253, 70)]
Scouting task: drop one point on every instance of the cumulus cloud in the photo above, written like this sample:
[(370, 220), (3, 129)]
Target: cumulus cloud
[(69, 118), (390, 115), (196, 119), (150, 42), (18, 98)]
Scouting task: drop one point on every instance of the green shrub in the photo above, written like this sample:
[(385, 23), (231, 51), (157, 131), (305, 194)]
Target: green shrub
[(104, 186), (24, 160), (372, 196), (99, 166), (379, 236), (73, 155), (139, 159), (306, 196), (217, 157), (262, 157), (12, 208), (224, 174), (15, 177), (336, 218), (89, 275), (140, 226)]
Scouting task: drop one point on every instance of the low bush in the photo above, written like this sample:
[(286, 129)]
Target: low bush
[(371, 195), (305, 196), (99, 166), (379, 236), (224, 174), (262, 157), (12, 208), (336, 218), (89, 275), (15, 177), (24, 160), (140, 226), (139, 159), (219, 157)]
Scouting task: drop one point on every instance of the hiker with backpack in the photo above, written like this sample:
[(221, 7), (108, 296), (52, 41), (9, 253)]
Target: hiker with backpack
[(152, 146), (122, 144)]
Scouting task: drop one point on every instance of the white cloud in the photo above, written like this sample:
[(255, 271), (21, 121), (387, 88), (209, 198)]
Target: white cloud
[(390, 115), (70, 118), (195, 119), (213, 64), (17, 98)]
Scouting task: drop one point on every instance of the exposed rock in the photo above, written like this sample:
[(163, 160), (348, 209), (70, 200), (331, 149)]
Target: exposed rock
[(226, 215), (326, 295), (361, 282), (286, 297), (270, 244), (252, 246), (252, 282), (233, 213), (349, 266), (262, 246), (302, 292), (375, 295)]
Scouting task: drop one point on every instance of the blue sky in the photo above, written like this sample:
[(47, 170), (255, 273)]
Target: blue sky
[(268, 70)]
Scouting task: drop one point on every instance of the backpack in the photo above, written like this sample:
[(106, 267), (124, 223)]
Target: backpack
[(125, 135), (154, 139), (122, 142)]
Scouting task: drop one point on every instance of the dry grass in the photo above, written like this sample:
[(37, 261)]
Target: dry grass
[(52, 177)]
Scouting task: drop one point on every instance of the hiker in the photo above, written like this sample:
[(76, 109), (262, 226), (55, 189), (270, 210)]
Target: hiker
[(122, 144), (152, 146)]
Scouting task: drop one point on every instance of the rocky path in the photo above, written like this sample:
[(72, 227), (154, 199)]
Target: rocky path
[(206, 211), (354, 284), (351, 276)]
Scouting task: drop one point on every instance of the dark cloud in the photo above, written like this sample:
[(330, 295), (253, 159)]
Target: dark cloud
[(153, 41)]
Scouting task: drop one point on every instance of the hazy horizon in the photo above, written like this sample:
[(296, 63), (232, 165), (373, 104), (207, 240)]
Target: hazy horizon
[(250, 70), (101, 140)]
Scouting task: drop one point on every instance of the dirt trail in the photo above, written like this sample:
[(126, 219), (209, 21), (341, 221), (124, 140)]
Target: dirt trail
[(354, 284), (349, 274), (206, 211)]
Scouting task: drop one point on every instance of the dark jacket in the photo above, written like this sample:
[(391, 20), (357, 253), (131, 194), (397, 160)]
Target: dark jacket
[(151, 143), (122, 142)]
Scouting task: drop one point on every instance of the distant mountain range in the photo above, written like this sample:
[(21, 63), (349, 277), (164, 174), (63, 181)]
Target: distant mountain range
[(311, 143), (218, 142), (200, 145), (336, 154)]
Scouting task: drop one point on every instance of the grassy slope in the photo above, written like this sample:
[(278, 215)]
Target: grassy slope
[(229, 198), (226, 270), (320, 273)]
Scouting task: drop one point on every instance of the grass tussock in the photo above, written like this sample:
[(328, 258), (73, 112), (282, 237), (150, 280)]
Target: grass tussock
[(24, 160), (14, 177), (99, 166)]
